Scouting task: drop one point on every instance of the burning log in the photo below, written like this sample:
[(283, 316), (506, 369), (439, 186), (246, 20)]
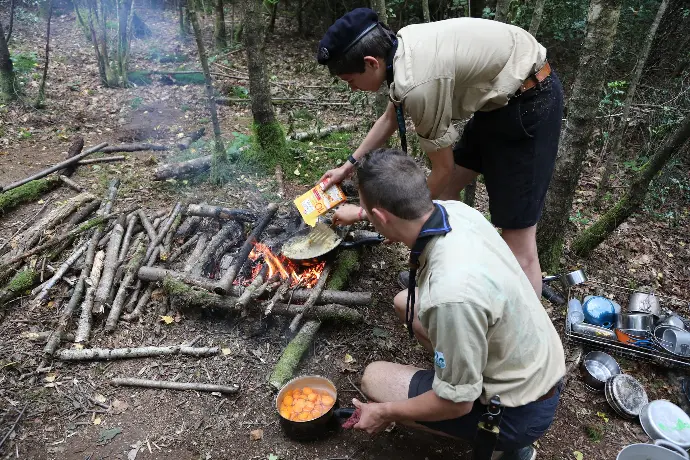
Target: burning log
[(165, 385), (196, 253), (85, 318), (61, 165), (42, 296), (111, 159), (133, 148), (70, 183), (159, 274), (186, 141), (163, 231), (179, 251), (109, 267), (118, 303), (250, 292), (225, 283), (229, 234), (278, 296), (59, 333), (291, 356), (218, 212), (195, 166), (313, 297), (100, 354)]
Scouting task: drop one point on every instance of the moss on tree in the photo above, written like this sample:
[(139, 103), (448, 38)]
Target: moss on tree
[(25, 193), (346, 263), (269, 147), (20, 283)]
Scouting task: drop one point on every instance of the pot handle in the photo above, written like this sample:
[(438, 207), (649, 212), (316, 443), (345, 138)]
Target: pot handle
[(361, 242), (343, 414), (671, 446)]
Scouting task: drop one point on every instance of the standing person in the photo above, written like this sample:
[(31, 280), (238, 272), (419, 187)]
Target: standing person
[(477, 314), (449, 70)]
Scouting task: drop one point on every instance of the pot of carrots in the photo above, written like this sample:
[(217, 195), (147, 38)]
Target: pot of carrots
[(308, 408)]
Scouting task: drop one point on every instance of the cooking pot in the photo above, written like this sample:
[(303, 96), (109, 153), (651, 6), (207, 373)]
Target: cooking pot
[(660, 450), (311, 243), (321, 426), (644, 302), (638, 324)]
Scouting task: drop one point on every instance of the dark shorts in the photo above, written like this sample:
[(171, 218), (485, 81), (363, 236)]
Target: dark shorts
[(515, 148), (520, 426)]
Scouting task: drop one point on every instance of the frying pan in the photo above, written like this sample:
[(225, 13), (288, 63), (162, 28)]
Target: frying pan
[(311, 243)]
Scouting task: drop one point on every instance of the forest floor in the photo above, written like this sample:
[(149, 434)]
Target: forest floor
[(651, 250)]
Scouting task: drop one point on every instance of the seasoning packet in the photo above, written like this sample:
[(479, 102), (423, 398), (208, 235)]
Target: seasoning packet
[(318, 201)]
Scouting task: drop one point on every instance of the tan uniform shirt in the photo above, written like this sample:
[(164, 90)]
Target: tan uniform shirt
[(447, 70), (490, 333)]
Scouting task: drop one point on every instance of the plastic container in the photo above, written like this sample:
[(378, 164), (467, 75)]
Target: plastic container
[(575, 314)]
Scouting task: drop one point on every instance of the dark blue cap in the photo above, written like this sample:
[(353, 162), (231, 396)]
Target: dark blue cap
[(345, 32)]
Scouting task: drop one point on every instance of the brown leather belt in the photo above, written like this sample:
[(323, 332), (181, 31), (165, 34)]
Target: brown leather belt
[(536, 78), (550, 393)]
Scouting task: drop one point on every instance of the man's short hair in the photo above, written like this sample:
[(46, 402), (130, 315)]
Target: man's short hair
[(391, 180), (376, 43)]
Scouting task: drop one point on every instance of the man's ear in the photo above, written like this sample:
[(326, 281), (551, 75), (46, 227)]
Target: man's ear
[(382, 215), (372, 61)]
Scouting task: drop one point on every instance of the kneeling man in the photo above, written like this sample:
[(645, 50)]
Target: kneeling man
[(476, 311)]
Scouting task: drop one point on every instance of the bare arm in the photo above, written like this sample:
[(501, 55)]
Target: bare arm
[(442, 164)]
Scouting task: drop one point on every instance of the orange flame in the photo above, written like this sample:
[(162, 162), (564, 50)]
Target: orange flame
[(307, 277)]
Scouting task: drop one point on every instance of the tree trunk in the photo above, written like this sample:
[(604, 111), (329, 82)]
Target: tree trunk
[(470, 193), (536, 16), (477, 8), (300, 17), (40, 100), (268, 131), (219, 33), (618, 134), (7, 91), (220, 162), (100, 59), (502, 9), (425, 11), (602, 22), (380, 8), (590, 238), (11, 24), (272, 23)]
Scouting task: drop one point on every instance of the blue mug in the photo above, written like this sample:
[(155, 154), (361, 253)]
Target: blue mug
[(599, 311)]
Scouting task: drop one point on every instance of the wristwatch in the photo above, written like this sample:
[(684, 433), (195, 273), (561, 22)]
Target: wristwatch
[(352, 160)]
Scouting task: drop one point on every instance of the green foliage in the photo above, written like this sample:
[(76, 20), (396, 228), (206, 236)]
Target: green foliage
[(595, 432), (136, 102), (139, 77), (313, 158), (269, 147), (24, 62), (613, 95), (188, 78), (240, 92), (234, 150), (579, 218)]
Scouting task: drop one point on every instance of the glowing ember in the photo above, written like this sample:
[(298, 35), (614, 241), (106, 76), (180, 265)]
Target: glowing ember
[(279, 265)]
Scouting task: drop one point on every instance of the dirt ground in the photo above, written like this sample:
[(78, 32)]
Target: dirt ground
[(62, 421)]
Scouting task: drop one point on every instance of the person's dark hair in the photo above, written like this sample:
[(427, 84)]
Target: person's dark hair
[(389, 179), (376, 43)]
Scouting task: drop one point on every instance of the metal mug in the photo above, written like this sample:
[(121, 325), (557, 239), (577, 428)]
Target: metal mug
[(644, 302)]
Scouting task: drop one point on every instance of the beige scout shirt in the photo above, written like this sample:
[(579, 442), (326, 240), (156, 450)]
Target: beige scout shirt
[(447, 70), (490, 333)]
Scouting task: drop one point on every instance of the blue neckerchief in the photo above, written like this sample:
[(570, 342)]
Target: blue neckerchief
[(436, 224), (400, 115)]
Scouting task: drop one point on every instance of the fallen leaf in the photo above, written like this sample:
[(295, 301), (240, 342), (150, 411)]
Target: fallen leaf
[(603, 416), (132, 455), (100, 398), (296, 172), (50, 378), (273, 457), (167, 319), (348, 358), (97, 421), (225, 351), (216, 393), (378, 332), (107, 435), (256, 435), (119, 407), (578, 455)]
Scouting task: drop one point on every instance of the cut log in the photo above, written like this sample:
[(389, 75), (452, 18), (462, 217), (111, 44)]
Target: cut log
[(101, 354), (279, 296), (169, 237), (132, 269), (339, 297), (70, 183), (196, 253), (163, 230), (185, 168), (85, 318), (61, 165), (25, 193), (150, 231), (46, 336), (179, 251), (82, 213), (43, 294), (109, 267), (229, 234), (320, 133), (74, 149), (133, 148), (139, 309), (189, 225), (218, 212), (333, 313), (187, 140), (313, 297), (159, 274), (225, 283), (126, 240), (20, 283), (111, 159), (166, 385), (251, 290), (292, 354), (66, 317)]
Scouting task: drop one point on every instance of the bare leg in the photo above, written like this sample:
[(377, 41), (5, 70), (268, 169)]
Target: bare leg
[(461, 177), (400, 304), (523, 244)]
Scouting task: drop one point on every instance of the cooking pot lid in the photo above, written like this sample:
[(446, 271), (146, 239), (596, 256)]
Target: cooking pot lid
[(665, 420), (628, 393)]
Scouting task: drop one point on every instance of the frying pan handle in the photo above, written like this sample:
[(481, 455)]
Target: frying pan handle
[(343, 414), (362, 242), (672, 447)]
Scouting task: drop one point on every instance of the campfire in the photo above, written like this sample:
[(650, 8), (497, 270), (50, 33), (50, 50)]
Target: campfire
[(304, 275)]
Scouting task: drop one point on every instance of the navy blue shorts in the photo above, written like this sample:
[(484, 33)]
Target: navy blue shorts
[(515, 148), (520, 426)]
